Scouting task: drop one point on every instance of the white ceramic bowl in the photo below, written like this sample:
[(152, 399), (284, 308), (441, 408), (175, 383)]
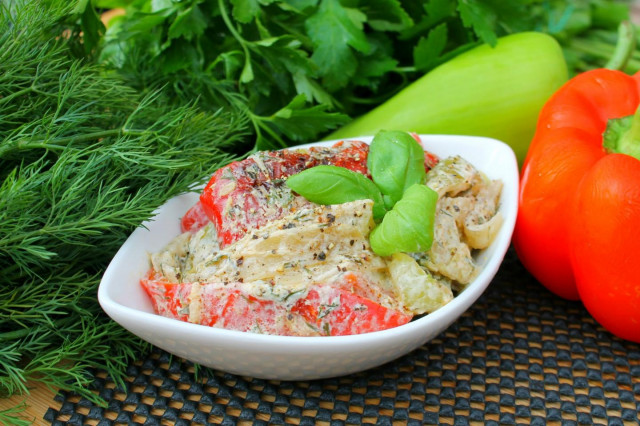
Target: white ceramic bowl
[(298, 358)]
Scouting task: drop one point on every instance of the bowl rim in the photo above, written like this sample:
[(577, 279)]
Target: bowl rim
[(447, 313)]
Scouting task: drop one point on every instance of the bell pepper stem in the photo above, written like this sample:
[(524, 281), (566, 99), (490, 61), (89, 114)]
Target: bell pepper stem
[(623, 135)]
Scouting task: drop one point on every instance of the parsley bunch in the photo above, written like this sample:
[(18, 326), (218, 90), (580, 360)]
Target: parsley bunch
[(297, 68)]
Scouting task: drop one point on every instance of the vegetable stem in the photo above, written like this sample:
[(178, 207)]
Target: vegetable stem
[(89, 136), (15, 334), (59, 144), (623, 135), (624, 47), (630, 141), (247, 72)]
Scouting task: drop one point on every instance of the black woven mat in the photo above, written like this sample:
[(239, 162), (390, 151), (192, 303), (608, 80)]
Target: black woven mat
[(519, 356)]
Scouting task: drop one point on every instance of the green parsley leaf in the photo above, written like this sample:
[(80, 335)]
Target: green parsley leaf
[(284, 56), (375, 64), (145, 22), (245, 10), (301, 123), (477, 16), (428, 51), (334, 31), (439, 9), (387, 15), (189, 23), (180, 55), (92, 27)]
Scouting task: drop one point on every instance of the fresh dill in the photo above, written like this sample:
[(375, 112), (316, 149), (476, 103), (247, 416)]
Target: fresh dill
[(84, 160)]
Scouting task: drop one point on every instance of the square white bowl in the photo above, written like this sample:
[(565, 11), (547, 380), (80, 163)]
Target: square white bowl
[(299, 358)]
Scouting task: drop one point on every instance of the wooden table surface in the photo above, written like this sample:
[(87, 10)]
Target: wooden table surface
[(37, 402)]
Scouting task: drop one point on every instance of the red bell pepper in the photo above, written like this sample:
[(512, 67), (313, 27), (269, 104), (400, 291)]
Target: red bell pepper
[(194, 219), (578, 225), (247, 194), (168, 299), (326, 310)]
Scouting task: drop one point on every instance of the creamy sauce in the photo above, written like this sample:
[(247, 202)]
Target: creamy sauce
[(324, 247)]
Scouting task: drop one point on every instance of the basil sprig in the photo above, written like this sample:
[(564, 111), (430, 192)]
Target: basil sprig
[(402, 205), (396, 162)]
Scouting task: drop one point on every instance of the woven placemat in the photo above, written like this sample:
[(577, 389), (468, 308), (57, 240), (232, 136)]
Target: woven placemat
[(520, 355)]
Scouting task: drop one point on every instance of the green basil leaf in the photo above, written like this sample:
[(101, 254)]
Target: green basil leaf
[(408, 227), (336, 185), (396, 162)]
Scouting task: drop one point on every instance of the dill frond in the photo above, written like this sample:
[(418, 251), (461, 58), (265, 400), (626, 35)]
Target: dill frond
[(84, 160), (16, 416)]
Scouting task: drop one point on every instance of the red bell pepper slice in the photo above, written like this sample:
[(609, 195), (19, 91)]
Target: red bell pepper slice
[(337, 312), (233, 309), (247, 194), (194, 219), (325, 310), (168, 299)]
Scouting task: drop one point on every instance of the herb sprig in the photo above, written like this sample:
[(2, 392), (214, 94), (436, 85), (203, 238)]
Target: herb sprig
[(402, 204), (84, 160), (296, 68)]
